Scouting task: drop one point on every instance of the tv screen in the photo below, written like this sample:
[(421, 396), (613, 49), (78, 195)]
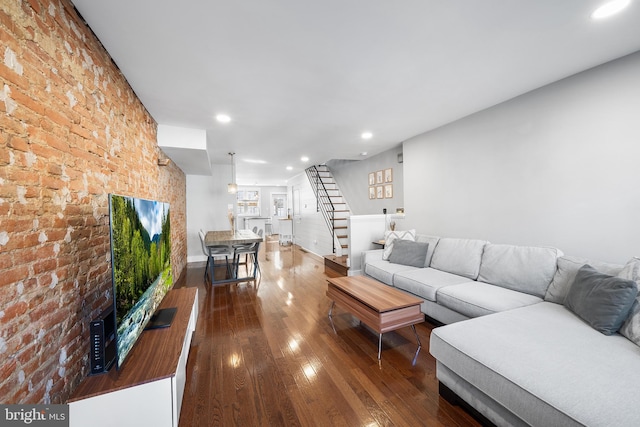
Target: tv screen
[(141, 264)]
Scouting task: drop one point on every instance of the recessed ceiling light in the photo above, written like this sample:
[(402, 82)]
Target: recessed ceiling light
[(364, 153), (289, 168), (304, 158), (259, 162), (610, 8), (366, 135), (223, 118)]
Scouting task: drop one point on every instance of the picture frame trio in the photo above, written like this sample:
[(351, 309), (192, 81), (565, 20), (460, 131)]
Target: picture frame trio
[(381, 184)]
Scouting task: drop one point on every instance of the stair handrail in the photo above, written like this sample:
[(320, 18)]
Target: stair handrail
[(321, 196)]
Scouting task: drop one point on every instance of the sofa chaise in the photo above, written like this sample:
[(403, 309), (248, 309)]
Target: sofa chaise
[(531, 337)]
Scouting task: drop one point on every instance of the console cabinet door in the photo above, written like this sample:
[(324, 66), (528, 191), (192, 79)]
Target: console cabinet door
[(147, 404)]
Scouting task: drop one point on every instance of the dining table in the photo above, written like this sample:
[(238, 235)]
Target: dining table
[(231, 238)]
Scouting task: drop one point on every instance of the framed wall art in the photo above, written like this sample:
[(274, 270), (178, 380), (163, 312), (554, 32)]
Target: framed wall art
[(379, 177), (372, 178), (372, 192), (388, 191), (388, 175), (380, 192)]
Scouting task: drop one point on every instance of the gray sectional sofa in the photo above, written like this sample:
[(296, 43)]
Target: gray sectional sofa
[(520, 345)]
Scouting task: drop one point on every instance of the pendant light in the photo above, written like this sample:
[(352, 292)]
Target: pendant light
[(232, 187)]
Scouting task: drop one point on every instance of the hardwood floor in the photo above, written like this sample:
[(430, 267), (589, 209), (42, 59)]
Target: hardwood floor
[(266, 355)]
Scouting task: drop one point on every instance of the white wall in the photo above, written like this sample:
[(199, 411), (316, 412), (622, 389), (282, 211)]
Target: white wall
[(558, 166), (207, 203), (352, 179)]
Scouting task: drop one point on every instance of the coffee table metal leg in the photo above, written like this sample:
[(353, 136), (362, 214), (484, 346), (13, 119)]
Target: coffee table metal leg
[(333, 303), (416, 334), (379, 345), (415, 358)]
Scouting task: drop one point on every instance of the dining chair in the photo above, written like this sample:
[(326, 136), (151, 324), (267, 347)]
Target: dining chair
[(250, 253), (248, 250), (212, 252)]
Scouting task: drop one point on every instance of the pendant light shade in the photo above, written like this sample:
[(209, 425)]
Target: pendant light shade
[(232, 187)]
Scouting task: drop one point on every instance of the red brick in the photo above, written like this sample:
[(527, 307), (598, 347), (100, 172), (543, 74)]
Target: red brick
[(14, 310), (13, 275), (43, 266), (25, 101), (16, 80), (35, 6)]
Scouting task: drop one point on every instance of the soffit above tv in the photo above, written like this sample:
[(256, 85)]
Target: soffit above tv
[(187, 148)]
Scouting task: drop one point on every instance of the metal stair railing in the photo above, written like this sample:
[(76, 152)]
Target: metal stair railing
[(323, 201)]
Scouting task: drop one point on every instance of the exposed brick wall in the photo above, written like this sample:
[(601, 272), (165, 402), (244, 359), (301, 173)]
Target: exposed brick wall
[(71, 131)]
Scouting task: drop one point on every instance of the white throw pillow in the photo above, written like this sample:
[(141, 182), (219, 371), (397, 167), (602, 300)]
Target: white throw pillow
[(631, 327), (390, 236)]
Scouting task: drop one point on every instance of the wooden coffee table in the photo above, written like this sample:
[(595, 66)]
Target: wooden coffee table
[(375, 304)]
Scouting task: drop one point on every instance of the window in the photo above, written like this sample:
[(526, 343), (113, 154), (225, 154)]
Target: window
[(279, 205), (249, 202)]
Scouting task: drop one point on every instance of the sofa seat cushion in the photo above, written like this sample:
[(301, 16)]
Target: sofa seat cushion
[(475, 299), (383, 271), (458, 256), (545, 365), (521, 268), (425, 282)]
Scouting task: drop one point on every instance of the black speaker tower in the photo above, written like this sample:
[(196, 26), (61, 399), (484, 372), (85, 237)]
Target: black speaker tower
[(102, 351)]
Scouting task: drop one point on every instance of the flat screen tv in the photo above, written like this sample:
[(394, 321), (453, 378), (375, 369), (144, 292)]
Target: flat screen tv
[(141, 266)]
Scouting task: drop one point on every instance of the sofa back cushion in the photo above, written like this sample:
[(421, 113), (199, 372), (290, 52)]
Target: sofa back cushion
[(568, 267), (458, 256), (520, 268), (432, 241)]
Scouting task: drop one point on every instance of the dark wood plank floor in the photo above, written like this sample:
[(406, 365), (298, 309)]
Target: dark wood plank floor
[(266, 355)]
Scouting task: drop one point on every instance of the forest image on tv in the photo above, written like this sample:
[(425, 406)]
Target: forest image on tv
[(141, 262)]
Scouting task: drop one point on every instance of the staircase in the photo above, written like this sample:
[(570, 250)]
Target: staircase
[(335, 211)]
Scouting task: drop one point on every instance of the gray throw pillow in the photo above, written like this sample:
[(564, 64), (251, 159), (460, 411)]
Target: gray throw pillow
[(601, 300), (392, 236), (407, 252)]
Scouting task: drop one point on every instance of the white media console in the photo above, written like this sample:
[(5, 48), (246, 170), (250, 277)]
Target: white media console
[(148, 389)]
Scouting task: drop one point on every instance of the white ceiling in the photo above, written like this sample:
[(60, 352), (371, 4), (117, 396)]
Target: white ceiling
[(304, 77)]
